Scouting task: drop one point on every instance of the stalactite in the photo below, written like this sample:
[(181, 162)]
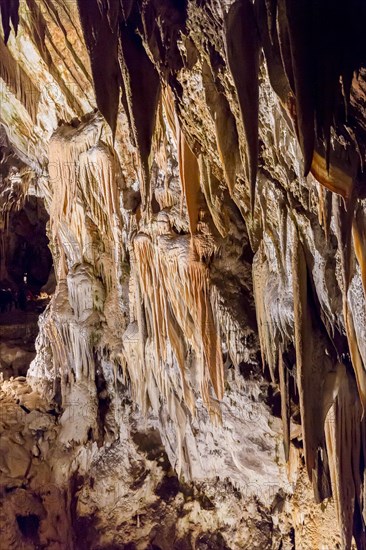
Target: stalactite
[(65, 149), (225, 128), (171, 352), (343, 224), (9, 14), (193, 174), (242, 48), (265, 329), (140, 101), (100, 28), (80, 351), (298, 22), (312, 382), (71, 351), (177, 292), (321, 211), (176, 338), (39, 30), (283, 27), (304, 349), (190, 178), (266, 17), (334, 179), (355, 355), (271, 10), (209, 335), (85, 222), (137, 374), (326, 77), (98, 180), (345, 448), (152, 298), (359, 240), (227, 141), (170, 111), (285, 406), (210, 187), (311, 387), (313, 67), (284, 43), (324, 209), (18, 81)]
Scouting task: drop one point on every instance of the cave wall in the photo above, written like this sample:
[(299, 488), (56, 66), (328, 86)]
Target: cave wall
[(204, 181)]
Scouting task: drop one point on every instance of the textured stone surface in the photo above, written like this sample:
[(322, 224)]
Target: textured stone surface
[(200, 369)]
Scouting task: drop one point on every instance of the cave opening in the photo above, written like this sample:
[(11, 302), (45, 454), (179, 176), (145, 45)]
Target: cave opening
[(27, 277), (28, 526)]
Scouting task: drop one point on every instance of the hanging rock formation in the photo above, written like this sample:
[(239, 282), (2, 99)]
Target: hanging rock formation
[(199, 375)]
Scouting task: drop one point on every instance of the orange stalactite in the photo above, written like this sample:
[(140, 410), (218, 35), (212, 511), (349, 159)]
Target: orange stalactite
[(303, 347), (190, 178), (188, 164), (335, 179), (176, 293)]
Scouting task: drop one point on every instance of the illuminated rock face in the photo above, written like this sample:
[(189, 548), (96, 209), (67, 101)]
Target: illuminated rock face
[(200, 376)]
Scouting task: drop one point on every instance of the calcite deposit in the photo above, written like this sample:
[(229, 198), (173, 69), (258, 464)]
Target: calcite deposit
[(182, 183)]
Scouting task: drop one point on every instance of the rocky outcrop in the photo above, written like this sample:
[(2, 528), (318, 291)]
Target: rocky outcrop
[(200, 372)]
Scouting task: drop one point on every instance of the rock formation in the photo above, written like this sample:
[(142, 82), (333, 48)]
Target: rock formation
[(197, 170)]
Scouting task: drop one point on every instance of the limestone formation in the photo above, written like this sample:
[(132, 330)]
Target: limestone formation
[(182, 182)]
